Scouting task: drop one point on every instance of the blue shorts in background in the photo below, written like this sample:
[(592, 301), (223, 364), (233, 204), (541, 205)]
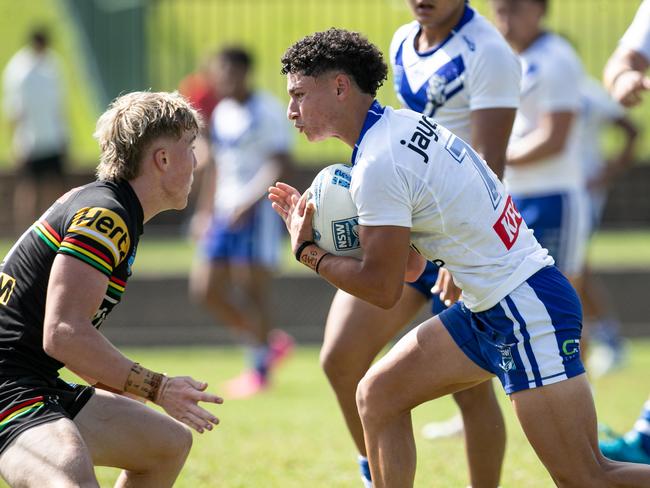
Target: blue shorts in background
[(424, 284)]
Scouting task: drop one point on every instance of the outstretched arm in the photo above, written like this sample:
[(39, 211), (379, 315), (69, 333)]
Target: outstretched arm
[(75, 293)]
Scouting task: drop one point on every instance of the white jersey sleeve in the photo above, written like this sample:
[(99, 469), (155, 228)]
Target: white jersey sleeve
[(555, 94), (598, 104), (495, 78), (382, 199), (637, 36)]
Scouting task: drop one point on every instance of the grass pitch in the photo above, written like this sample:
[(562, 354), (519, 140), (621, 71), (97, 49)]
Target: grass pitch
[(293, 435)]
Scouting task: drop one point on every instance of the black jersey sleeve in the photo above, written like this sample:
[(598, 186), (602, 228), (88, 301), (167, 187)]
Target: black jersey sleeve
[(96, 235)]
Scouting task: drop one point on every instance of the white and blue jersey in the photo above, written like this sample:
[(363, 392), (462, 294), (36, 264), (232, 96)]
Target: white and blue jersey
[(597, 110), (245, 137), (410, 172), (472, 69), (550, 192)]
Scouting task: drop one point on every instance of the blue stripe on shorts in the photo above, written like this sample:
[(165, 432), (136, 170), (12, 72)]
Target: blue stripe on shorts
[(529, 339), (424, 284)]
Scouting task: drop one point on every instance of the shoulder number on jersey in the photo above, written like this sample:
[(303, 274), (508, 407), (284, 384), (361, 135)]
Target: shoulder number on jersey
[(460, 150)]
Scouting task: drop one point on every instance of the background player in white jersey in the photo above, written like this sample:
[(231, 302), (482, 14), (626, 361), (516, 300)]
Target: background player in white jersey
[(599, 111), (452, 65), (626, 79), (240, 234), (544, 173), (416, 184), (543, 170)]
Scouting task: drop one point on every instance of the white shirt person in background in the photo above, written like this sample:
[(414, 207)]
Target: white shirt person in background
[(598, 112), (239, 233), (34, 104)]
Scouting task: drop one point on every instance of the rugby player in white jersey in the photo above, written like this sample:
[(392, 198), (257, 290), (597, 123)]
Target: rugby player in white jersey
[(239, 234), (543, 170), (452, 65), (417, 186), (599, 111), (626, 79)]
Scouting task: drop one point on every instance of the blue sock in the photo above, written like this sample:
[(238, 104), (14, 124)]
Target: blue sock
[(364, 467), (260, 359), (642, 426)]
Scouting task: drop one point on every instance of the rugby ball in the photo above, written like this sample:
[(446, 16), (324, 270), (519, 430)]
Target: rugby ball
[(335, 220)]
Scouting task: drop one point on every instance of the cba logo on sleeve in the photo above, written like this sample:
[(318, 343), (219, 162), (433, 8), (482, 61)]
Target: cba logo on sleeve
[(104, 226), (346, 234), (7, 284)]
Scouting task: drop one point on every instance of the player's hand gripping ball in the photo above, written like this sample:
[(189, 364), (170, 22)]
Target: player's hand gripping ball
[(335, 220)]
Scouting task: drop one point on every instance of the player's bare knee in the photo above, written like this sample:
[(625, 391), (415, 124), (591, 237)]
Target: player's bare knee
[(180, 447), (340, 367), (371, 398)]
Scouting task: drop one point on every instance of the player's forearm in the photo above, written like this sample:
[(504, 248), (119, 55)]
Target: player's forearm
[(537, 146), (623, 60), (630, 133), (490, 134), (357, 277), (87, 352), (258, 185)]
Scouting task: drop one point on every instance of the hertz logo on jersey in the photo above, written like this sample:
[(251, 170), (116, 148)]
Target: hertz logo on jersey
[(7, 284), (104, 226)]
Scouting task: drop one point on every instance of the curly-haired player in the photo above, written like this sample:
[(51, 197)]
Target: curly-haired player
[(418, 186), (57, 285)]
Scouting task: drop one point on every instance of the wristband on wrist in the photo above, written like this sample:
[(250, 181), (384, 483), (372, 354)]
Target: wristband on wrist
[(319, 261), (301, 248), (143, 382)]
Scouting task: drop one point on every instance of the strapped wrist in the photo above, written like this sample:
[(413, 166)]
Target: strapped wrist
[(301, 248), (143, 382)]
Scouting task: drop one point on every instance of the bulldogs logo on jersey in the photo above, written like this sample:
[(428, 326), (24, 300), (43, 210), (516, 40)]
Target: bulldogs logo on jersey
[(507, 361), (436, 96)]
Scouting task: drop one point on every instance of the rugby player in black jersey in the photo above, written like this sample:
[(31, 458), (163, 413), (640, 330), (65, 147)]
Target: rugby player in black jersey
[(58, 283)]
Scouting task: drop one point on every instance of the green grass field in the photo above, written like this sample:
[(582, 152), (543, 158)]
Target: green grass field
[(181, 32), (173, 256), (293, 436)]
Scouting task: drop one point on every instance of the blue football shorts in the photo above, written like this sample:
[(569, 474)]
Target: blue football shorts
[(254, 241), (531, 338), (560, 222)]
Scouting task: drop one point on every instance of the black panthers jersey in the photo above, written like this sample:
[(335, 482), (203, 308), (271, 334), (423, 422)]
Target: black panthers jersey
[(100, 224)]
